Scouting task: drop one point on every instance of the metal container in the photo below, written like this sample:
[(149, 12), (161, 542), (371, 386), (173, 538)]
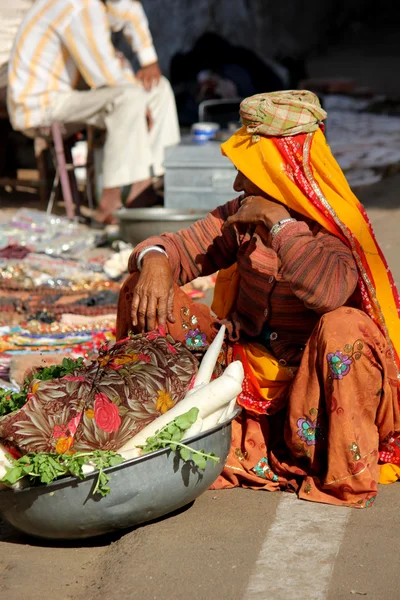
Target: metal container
[(138, 224), (142, 489), (197, 176)]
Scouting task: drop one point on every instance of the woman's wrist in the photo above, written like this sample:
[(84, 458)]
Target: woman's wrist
[(150, 252), (277, 227), (273, 217)]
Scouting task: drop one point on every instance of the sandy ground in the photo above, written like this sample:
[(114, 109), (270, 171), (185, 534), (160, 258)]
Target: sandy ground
[(217, 548)]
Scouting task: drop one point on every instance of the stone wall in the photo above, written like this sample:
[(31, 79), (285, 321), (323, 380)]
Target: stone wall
[(270, 27)]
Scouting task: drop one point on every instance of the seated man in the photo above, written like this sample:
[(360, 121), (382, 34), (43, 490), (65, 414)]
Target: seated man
[(61, 42)]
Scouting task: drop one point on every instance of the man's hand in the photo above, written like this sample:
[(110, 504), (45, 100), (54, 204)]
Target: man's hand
[(153, 299), (149, 76), (258, 211)]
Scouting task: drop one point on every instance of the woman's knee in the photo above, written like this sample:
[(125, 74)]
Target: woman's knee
[(348, 327), (343, 320)]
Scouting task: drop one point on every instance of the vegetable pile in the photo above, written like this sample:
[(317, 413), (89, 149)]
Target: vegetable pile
[(45, 467), (205, 405), (11, 401)]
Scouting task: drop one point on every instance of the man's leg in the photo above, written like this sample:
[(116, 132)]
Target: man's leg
[(165, 130), (127, 150)]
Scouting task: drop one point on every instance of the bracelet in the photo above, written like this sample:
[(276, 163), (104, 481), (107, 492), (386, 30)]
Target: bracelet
[(275, 229), (145, 251)]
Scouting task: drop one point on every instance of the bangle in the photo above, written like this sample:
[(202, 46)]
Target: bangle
[(275, 229), (145, 251)]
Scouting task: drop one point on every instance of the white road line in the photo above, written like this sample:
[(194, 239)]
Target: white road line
[(298, 555)]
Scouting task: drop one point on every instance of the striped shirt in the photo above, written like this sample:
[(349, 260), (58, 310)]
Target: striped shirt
[(285, 284), (60, 41)]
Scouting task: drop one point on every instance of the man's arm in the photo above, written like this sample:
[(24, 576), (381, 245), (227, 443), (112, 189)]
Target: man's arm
[(88, 40), (129, 17)]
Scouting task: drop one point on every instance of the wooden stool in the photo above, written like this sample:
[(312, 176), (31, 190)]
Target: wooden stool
[(60, 147)]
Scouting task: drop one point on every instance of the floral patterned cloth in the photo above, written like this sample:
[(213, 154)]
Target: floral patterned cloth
[(104, 404)]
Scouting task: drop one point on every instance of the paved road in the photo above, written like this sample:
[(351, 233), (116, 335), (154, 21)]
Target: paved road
[(234, 544)]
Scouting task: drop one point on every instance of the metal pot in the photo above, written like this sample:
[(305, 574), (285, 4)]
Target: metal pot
[(142, 489), (138, 224)]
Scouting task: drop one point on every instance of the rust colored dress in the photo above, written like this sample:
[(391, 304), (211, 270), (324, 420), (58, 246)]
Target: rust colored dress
[(322, 438)]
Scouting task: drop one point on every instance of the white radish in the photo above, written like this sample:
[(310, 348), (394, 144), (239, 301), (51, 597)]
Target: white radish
[(228, 411), (213, 419), (207, 399), (194, 429), (209, 361)]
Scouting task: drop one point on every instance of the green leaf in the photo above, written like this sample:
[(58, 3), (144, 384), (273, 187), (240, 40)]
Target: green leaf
[(46, 467), (199, 460), (186, 420), (13, 475), (11, 401), (185, 453), (116, 460), (177, 436)]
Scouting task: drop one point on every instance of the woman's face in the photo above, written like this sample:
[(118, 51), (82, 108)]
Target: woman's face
[(242, 184)]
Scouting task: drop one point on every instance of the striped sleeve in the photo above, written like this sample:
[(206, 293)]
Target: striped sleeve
[(320, 268), (129, 17), (88, 40), (200, 250)]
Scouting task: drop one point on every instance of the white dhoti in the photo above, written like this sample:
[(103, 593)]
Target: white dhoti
[(131, 152)]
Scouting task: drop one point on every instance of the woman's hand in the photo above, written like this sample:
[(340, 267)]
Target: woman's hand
[(153, 298), (258, 211)]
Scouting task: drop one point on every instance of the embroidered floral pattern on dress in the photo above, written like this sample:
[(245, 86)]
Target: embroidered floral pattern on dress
[(309, 431), (262, 469), (340, 362), (370, 501), (195, 339), (355, 451), (240, 455)]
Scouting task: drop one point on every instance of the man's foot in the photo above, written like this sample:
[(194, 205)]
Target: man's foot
[(137, 189), (109, 203)]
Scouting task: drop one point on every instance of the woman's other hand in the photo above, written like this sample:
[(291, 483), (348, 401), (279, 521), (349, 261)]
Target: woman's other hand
[(258, 211), (153, 298)]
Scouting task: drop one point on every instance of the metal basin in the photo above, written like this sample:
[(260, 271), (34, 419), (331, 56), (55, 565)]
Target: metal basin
[(142, 489), (138, 224)]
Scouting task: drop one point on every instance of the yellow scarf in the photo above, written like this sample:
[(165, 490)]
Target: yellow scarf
[(342, 214)]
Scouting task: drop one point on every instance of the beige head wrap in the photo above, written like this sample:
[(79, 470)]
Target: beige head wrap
[(283, 113)]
